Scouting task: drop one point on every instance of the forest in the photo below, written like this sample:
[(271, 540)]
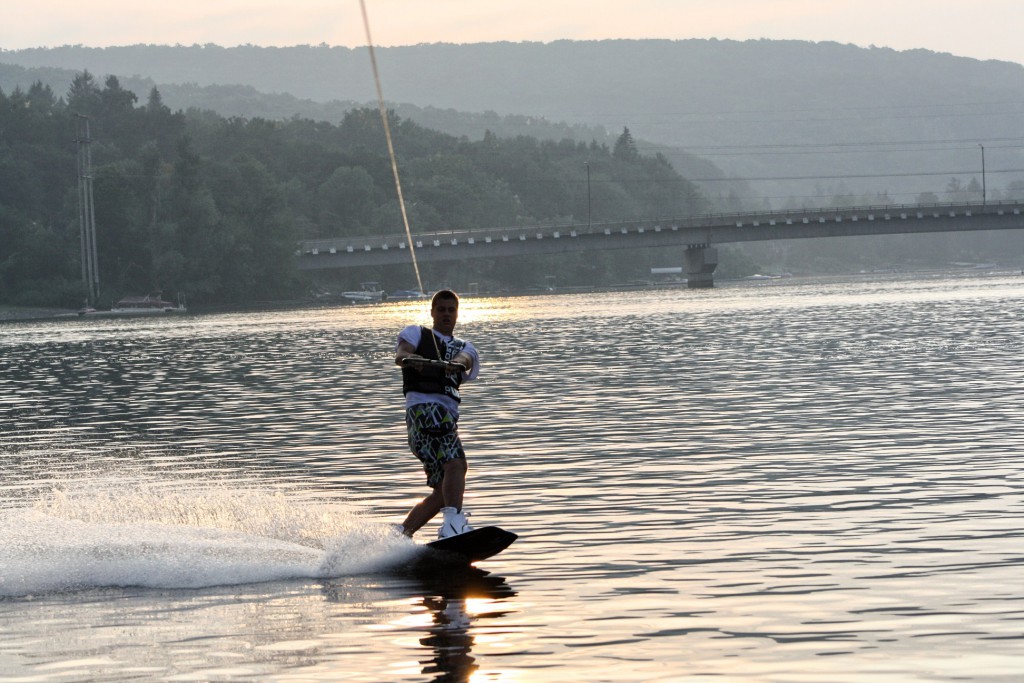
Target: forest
[(212, 207)]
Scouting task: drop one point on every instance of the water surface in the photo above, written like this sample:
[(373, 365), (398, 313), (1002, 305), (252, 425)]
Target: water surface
[(773, 481)]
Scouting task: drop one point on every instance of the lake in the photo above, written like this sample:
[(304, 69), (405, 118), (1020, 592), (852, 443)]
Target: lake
[(790, 480)]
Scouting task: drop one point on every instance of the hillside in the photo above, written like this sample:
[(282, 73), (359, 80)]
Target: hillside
[(802, 121), (194, 202), (247, 102)]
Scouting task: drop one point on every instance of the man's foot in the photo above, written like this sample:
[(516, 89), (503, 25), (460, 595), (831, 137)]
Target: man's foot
[(454, 523)]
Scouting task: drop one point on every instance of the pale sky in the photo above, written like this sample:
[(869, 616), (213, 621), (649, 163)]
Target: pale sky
[(983, 29)]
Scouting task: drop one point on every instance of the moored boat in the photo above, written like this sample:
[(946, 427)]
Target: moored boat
[(150, 304), (370, 291), (407, 294)]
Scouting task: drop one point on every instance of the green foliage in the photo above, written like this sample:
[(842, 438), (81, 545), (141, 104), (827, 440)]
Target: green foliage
[(735, 262), (625, 147), (213, 207)]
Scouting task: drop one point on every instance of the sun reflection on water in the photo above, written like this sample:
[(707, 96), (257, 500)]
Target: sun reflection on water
[(471, 310)]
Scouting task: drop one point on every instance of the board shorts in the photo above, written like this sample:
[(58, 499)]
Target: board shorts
[(433, 438)]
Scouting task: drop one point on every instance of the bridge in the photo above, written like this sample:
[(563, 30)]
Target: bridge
[(694, 235)]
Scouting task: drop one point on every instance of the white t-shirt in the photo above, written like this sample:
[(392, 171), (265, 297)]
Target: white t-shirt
[(412, 335)]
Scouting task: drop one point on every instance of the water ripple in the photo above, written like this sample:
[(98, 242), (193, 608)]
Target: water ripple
[(813, 480)]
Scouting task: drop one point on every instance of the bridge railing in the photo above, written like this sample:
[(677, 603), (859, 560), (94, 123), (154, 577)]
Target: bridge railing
[(455, 237)]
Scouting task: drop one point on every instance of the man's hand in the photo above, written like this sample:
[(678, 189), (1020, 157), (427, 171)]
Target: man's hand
[(419, 363), (415, 362), (451, 367)]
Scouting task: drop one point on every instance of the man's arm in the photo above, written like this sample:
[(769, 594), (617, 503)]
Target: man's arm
[(465, 360), (405, 350)]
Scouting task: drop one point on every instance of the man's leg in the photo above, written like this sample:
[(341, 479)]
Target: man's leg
[(440, 451), (453, 486), (423, 512)]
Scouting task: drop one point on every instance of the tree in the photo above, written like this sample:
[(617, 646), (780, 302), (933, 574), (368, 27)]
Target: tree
[(1015, 190), (212, 207), (625, 147), (255, 238), (345, 202), (192, 218), (84, 97)]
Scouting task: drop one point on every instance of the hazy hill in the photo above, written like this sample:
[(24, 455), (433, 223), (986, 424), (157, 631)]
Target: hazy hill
[(248, 102), (802, 120)]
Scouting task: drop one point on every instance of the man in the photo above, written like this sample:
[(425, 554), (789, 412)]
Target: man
[(434, 365)]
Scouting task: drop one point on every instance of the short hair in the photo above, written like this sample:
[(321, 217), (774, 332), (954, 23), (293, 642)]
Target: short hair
[(444, 294)]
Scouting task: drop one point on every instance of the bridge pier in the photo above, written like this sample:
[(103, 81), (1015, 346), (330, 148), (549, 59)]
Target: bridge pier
[(700, 263)]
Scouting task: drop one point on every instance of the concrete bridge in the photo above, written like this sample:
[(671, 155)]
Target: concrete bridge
[(695, 236)]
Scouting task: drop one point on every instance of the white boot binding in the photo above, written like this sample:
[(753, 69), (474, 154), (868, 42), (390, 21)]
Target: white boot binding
[(454, 523)]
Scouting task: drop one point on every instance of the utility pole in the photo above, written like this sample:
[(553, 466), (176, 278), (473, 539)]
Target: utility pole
[(589, 214), (87, 213), (984, 194)]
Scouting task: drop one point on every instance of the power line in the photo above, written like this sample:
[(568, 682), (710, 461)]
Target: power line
[(843, 145), (855, 176), (765, 116), (804, 110)]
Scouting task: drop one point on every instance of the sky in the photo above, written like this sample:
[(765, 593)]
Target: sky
[(983, 29)]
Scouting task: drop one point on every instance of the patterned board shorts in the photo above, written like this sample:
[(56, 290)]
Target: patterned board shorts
[(433, 438)]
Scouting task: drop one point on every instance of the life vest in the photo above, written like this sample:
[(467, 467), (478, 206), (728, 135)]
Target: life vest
[(433, 380)]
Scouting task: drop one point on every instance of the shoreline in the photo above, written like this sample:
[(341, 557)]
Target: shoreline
[(19, 313), (14, 314)]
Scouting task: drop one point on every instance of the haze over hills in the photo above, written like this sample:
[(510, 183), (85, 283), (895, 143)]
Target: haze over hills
[(800, 121), (248, 102)]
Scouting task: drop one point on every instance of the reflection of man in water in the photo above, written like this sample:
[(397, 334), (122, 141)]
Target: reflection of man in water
[(432, 412), (449, 638)]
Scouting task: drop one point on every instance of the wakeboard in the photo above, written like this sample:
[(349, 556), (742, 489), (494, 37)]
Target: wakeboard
[(475, 545)]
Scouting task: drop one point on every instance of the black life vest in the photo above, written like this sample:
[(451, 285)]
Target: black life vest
[(434, 380)]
